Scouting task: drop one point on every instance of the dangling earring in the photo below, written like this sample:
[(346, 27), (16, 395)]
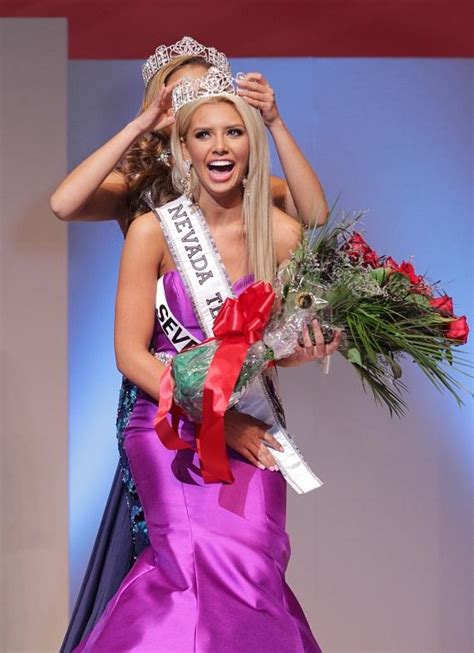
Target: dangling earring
[(186, 180), (244, 184)]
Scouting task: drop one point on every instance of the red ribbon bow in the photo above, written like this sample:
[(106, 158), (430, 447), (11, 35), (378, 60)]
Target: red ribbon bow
[(239, 324)]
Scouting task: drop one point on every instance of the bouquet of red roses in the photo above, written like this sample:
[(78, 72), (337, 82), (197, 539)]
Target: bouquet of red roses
[(386, 311)]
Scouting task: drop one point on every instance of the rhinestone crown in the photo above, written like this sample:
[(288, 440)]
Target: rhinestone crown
[(215, 82), (187, 47)]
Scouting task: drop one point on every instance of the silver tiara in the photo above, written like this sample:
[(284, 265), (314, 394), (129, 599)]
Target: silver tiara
[(214, 83), (187, 47)]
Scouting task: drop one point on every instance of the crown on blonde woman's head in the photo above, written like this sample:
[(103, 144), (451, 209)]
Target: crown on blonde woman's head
[(214, 83), (187, 47)]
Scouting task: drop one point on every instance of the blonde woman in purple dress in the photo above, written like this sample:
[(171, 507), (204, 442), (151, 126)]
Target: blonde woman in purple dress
[(109, 184), (213, 577)]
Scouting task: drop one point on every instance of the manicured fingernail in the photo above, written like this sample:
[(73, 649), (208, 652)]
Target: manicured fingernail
[(260, 466), (274, 468)]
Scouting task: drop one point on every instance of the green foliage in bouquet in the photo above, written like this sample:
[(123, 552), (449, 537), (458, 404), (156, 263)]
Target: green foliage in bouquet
[(386, 311), (191, 366)]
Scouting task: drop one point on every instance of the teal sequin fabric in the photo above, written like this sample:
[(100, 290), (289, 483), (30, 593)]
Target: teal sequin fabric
[(127, 399)]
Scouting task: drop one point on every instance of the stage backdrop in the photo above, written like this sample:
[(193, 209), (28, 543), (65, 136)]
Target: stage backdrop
[(382, 552)]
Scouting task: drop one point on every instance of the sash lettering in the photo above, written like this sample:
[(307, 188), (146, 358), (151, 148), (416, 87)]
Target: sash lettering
[(187, 236), (216, 302), (177, 212), (176, 333)]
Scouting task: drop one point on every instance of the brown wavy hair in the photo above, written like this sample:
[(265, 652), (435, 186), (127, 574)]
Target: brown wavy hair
[(141, 166)]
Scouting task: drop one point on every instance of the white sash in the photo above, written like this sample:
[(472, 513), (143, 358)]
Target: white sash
[(200, 266), (176, 332)]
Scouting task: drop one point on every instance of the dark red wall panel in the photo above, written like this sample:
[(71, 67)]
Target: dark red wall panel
[(117, 29)]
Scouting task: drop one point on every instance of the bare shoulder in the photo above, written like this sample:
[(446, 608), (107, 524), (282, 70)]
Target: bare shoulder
[(287, 233), (145, 237), (278, 188), (145, 226)]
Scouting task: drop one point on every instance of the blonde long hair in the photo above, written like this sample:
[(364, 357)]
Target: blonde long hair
[(141, 165), (256, 205)]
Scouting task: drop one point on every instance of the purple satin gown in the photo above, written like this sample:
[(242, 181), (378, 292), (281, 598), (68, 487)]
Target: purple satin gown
[(213, 578)]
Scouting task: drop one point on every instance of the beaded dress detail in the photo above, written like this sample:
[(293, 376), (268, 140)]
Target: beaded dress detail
[(127, 398)]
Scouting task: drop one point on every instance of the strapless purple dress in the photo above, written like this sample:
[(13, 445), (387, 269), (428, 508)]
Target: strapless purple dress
[(213, 578)]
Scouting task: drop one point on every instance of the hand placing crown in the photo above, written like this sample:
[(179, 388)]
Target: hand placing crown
[(186, 47), (215, 82)]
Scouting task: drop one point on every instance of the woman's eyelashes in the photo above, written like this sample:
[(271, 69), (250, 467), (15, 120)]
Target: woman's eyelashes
[(201, 134), (236, 131), (233, 132)]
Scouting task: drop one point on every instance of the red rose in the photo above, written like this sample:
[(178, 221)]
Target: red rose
[(356, 248), (408, 270), (443, 304), (391, 263), (371, 258), (356, 242), (423, 289), (458, 330)]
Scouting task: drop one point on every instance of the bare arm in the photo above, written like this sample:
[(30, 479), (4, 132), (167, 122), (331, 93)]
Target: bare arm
[(134, 323), (135, 304), (301, 191), (93, 190), (301, 195)]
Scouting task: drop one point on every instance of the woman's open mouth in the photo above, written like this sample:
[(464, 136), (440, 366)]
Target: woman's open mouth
[(221, 169)]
